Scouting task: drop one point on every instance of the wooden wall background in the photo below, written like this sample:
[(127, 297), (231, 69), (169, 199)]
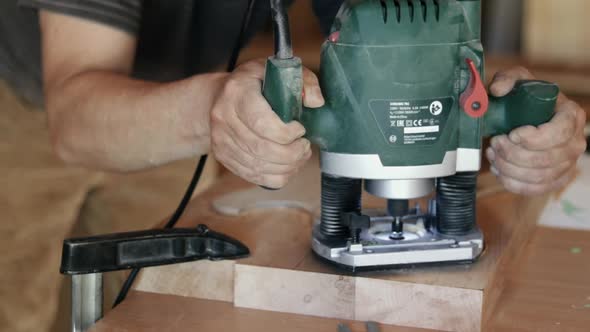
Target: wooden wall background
[(557, 31)]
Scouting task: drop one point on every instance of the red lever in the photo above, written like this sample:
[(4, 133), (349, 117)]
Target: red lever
[(474, 100), (334, 37)]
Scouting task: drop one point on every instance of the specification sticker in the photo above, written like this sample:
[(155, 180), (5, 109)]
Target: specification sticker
[(412, 122)]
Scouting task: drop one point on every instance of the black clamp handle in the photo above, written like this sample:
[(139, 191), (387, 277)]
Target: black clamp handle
[(130, 250)]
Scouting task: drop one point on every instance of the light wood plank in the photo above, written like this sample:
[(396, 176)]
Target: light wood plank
[(315, 294), (166, 313), (402, 303), (201, 279)]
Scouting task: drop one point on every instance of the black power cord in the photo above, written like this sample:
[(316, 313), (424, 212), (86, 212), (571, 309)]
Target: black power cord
[(282, 33), (170, 224), (202, 161)]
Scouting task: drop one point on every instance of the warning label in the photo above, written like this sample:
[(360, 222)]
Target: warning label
[(412, 122)]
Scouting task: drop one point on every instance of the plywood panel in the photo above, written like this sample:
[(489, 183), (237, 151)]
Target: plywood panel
[(201, 279)]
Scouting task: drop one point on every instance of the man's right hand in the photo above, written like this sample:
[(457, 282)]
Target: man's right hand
[(249, 138)]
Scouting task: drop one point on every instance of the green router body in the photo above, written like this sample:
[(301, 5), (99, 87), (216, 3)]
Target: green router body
[(405, 107)]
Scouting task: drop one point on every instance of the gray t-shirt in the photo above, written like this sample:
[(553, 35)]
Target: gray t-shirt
[(177, 38)]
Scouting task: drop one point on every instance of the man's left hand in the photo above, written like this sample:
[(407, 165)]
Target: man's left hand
[(536, 160)]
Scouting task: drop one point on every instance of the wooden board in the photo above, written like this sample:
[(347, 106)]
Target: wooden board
[(393, 302), (202, 279), (156, 312), (283, 275), (547, 289), (306, 293)]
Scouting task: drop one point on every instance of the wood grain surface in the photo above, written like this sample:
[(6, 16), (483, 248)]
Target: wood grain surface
[(547, 289), (283, 275), (166, 313)]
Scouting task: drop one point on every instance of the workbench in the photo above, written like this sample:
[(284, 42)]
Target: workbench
[(548, 290), (543, 286)]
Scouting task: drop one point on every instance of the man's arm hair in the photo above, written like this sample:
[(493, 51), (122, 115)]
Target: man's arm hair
[(101, 118)]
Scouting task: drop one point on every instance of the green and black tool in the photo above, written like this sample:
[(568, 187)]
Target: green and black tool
[(406, 110)]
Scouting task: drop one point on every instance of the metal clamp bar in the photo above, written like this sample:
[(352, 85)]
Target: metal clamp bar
[(86, 300)]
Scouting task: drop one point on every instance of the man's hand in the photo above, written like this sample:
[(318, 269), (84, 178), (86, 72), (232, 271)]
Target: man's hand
[(249, 138), (535, 160)]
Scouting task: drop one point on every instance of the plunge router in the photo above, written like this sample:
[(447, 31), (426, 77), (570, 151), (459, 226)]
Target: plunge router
[(406, 110)]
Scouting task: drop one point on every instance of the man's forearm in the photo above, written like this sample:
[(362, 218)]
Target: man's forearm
[(110, 121)]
